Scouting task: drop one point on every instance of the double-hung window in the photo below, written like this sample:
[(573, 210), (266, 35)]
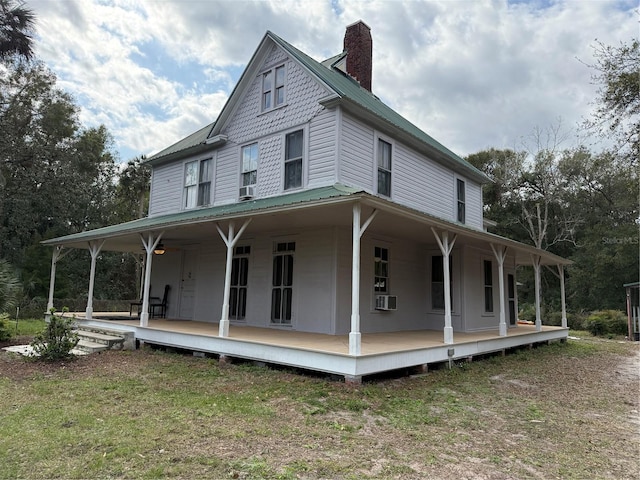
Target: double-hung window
[(381, 270), (488, 286), (249, 165), (384, 168), (437, 282), (293, 160), (239, 275), (461, 200), (197, 183), (282, 283), (273, 88)]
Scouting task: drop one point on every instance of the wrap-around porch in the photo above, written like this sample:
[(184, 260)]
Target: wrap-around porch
[(380, 352)]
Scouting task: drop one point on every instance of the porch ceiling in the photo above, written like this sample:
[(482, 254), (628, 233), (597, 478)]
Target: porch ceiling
[(329, 207)]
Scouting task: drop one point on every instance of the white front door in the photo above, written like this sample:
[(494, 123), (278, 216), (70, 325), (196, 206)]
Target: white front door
[(188, 283)]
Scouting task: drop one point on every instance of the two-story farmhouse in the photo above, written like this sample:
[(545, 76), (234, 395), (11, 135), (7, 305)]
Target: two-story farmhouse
[(312, 225)]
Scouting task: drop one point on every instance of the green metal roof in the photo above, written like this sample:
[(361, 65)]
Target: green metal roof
[(207, 214), (348, 88), (193, 140)]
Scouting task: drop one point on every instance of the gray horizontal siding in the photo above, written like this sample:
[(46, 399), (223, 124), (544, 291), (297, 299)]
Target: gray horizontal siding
[(356, 154)]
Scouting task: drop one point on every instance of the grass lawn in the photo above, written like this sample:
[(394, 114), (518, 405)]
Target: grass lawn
[(559, 411)]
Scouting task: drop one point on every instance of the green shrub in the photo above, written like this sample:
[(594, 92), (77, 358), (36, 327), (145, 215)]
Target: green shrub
[(575, 321), (606, 322), (5, 332), (57, 340)]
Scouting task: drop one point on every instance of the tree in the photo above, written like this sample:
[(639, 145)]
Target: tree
[(617, 110), (16, 28)]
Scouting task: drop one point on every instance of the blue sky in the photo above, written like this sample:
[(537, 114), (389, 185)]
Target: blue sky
[(472, 73)]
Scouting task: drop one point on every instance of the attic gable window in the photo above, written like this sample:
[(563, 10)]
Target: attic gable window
[(273, 88), (197, 183)]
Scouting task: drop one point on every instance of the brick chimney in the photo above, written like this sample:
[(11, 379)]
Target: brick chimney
[(359, 48)]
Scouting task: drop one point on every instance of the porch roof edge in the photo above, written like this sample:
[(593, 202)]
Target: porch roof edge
[(335, 192)]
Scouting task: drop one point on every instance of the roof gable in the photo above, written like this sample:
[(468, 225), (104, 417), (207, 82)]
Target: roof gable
[(345, 91)]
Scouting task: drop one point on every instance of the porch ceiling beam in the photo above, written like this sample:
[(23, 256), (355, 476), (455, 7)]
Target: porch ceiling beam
[(355, 337), (445, 247), (94, 250), (230, 240), (501, 254), (150, 243)]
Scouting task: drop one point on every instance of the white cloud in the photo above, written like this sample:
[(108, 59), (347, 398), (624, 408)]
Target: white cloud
[(473, 74)]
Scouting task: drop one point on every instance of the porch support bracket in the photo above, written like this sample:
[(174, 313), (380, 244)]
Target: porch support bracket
[(445, 248), (536, 261), (58, 254), (230, 241), (500, 254), (149, 243), (94, 250), (355, 337)]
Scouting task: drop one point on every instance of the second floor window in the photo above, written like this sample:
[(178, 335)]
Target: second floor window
[(384, 168), (293, 160), (249, 165), (461, 202), (197, 183), (273, 88)]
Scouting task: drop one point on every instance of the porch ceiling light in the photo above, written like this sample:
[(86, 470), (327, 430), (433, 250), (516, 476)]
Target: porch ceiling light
[(159, 250)]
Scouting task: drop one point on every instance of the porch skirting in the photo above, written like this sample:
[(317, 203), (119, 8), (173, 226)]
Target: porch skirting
[(328, 353)]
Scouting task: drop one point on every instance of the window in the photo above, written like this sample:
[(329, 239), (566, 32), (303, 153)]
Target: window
[(282, 284), (273, 86), (239, 274), (384, 168), (381, 270), (460, 188), (437, 282), (249, 165), (197, 183), (488, 286), (293, 160)]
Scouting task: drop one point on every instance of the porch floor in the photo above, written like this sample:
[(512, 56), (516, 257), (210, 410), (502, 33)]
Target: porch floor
[(371, 343)]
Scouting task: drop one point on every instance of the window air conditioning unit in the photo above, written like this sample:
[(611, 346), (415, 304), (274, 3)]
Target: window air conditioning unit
[(386, 302), (247, 193)]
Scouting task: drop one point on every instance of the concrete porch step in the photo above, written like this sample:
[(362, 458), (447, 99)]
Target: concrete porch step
[(94, 339)]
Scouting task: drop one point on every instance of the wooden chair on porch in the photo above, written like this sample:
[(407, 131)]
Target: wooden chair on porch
[(160, 307), (138, 304)]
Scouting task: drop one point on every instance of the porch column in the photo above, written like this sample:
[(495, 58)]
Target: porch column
[(500, 257), (562, 295), (536, 259), (150, 243), (58, 253), (230, 241), (94, 250), (355, 338), (445, 248)]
